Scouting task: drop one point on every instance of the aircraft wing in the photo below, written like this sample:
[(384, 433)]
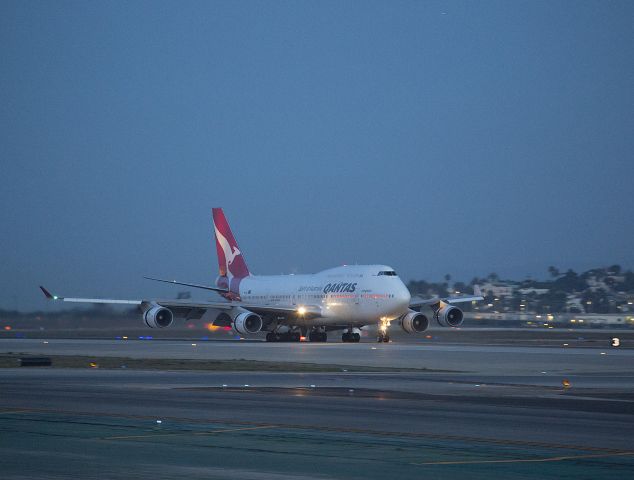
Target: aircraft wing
[(304, 311), (419, 301), (192, 310)]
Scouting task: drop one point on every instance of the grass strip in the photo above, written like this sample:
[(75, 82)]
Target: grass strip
[(241, 365)]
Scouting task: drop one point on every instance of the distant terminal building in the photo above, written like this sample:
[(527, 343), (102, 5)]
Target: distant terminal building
[(574, 304), (606, 283), (536, 291), (498, 289)]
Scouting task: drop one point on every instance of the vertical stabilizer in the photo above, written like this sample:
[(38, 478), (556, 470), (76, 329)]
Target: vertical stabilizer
[(230, 260)]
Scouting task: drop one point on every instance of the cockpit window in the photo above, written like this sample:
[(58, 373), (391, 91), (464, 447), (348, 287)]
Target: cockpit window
[(389, 273)]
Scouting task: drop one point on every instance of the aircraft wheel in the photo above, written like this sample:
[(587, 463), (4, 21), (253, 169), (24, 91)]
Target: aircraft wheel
[(386, 339), (271, 337), (317, 336), (350, 337)]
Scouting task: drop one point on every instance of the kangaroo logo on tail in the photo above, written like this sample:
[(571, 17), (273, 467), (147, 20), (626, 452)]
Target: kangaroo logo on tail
[(230, 255), (230, 259)]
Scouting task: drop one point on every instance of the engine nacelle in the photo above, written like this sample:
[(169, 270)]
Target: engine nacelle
[(414, 322), (247, 323), (449, 316), (158, 317)]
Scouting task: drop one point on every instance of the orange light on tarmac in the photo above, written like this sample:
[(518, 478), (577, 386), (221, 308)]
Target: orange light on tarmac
[(7, 328)]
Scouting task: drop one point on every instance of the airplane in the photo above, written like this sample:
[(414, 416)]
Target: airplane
[(289, 307)]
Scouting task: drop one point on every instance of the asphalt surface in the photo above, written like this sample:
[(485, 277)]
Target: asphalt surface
[(486, 359), (499, 412)]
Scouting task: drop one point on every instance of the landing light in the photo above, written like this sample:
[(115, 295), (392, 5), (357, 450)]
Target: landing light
[(301, 310)]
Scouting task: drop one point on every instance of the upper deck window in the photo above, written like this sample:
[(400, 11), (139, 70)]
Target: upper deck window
[(389, 273)]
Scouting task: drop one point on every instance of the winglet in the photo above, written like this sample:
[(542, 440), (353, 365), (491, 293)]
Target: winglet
[(48, 295), (476, 291)]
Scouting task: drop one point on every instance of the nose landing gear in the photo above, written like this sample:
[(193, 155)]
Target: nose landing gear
[(383, 335)]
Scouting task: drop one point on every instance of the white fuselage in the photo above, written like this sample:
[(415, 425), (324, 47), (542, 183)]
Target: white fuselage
[(348, 295)]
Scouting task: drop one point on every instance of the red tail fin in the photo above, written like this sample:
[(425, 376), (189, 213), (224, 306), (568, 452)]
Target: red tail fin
[(230, 260)]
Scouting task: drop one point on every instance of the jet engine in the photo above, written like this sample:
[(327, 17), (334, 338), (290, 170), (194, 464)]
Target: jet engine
[(158, 317), (247, 323), (449, 316), (414, 322)]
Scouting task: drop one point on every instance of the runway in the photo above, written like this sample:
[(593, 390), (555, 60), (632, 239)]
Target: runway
[(485, 359), (482, 411)]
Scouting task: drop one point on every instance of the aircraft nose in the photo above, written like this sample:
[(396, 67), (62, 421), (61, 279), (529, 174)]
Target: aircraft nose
[(403, 296)]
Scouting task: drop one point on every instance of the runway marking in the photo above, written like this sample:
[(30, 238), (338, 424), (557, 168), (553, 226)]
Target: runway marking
[(528, 460), (14, 411), (211, 432)]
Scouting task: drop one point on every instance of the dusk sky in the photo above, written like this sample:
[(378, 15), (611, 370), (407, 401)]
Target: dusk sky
[(435, 137)]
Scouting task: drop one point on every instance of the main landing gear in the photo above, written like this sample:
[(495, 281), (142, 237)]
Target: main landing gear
[(294, 335), (350, 336), (318, 336), (283, 337)]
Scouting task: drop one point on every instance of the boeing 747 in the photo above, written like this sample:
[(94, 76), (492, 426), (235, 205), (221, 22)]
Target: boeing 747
[(288, 307)]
